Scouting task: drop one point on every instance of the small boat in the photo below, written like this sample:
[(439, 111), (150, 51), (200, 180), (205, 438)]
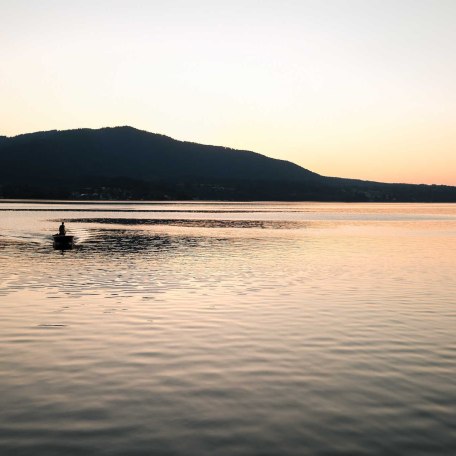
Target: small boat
[(63, 241)]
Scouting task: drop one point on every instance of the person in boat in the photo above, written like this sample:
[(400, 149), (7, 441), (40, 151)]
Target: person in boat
[(62, 229)]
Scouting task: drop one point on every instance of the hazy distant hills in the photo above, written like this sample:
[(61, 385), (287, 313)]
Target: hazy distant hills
[(125, 163)]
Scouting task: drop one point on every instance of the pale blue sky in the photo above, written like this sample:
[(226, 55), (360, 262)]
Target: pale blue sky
[(362, 89)]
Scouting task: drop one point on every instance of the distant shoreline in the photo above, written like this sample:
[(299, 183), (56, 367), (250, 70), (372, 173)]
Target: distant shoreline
[(127, 164), (132, 201)]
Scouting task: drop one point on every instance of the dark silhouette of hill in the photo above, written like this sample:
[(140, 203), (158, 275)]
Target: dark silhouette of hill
[(126, 163)]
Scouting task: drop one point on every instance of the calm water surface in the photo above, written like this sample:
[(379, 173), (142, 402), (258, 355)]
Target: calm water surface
[(228, 329)]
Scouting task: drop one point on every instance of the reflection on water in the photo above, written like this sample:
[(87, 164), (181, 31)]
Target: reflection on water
[(270, 224), (296, 329)]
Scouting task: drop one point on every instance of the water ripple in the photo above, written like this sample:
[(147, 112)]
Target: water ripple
[(229, 337)]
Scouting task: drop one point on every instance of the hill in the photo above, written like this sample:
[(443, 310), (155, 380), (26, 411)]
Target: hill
[(126, 163)]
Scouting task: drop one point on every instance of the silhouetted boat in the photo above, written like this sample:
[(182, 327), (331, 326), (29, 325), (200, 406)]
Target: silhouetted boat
[(63, 241)]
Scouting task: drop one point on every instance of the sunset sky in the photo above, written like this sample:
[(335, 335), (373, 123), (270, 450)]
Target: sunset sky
[(351, 88)]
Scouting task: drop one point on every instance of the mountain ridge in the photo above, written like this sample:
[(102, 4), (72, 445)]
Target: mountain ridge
[(125, 162)]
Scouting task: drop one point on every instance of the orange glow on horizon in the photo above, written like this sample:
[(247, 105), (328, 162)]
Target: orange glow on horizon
[(355, 90)]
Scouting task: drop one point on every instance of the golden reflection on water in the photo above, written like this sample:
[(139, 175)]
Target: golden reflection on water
[(299, 328)]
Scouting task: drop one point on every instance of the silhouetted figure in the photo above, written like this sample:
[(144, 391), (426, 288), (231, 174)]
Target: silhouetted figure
[(62, 230)]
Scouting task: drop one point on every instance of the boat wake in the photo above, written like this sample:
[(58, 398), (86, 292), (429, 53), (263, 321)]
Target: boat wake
[(81, 235), (27, 237)]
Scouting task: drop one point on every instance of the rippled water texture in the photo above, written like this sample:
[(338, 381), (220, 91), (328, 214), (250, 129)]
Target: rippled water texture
[(228, 329)]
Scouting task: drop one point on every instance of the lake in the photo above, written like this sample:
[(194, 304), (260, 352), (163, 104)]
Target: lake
[(228, 329)]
